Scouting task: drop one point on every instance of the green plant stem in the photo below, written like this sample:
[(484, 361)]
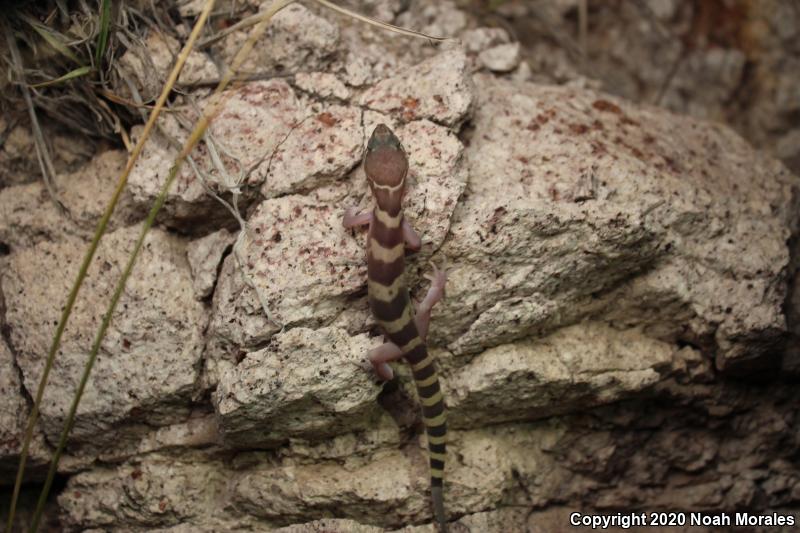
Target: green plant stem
[(102, 36), (101, 333), (100, 230), (193, 139)]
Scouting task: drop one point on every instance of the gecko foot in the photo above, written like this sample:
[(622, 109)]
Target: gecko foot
[(438, 279), (381, 356)]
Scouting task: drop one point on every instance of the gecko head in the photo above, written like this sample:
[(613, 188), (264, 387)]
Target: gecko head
[(386, 166)]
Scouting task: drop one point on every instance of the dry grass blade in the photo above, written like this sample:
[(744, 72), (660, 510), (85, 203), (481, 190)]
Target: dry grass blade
[(42, 153), (194, 138), (52, 37), (384, 25), (101, 227)]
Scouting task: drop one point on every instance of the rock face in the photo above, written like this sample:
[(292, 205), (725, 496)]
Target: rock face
[(14, 412), (149, 362), (618, 276), (300, 372), (28, 216), (638, 201)]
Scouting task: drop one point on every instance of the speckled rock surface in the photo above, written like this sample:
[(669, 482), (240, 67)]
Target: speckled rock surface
[(637, 199), (298, 262), (594, 460), (301, 372), (438, 89), (149, 361), (28, 216), (622, 286), (205, 256), (578, 366), (14, 410), (321, 149), (297, 39), (255, 119)]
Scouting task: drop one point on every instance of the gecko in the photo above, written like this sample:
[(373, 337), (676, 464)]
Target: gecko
[(405, 330)]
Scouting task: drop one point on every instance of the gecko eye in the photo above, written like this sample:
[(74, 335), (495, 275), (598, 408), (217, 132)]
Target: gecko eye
[(385, 163)]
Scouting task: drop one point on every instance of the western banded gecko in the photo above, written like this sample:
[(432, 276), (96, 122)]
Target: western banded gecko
[(386, 166)]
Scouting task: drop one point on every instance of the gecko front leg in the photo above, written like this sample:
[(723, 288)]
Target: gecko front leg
[(352, 219), (411, 238)]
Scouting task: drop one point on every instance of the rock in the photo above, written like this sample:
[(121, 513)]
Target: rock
[(435, 158), (28, 216), (491, 48), (148, 364), (87, 192), (296, 39), (156, 491), (373, 492), (205, 256), (719, 71), (529, 200), (791, 357), (322, 84), (384, 10), (593, 460), (238, 323), (255, 119), (298, 262), (321, 149), (195, 429), (14, 412), (306, 384), (147, 65), (501, 58), (579, 366), (787, 149), (438, 89), (330, 524), (663, 9), (440, 19), (19, 163), (479, 39), (618, 278)]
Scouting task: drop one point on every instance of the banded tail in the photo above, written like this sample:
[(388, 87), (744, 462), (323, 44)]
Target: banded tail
[(434, 415), (426, 379)]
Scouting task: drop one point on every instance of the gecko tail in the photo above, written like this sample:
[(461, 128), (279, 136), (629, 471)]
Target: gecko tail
[(438, 508)]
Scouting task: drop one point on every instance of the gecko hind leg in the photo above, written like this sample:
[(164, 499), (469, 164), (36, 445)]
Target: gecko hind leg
[(381, 356), (435, 294)]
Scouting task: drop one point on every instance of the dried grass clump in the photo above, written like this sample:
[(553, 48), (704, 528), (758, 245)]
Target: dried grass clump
[(64, 56)]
